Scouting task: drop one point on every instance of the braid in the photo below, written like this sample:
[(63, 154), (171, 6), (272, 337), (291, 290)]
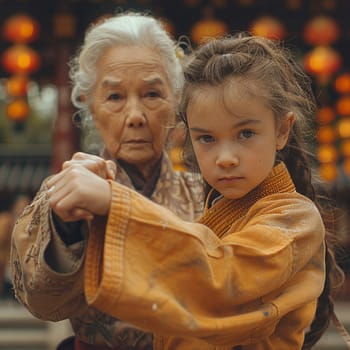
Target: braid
[(325, 308), (298, 163)]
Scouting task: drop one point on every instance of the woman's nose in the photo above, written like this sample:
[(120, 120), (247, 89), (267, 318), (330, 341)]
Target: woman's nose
[(135, 115)]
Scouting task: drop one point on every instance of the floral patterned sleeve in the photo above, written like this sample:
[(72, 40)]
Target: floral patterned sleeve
[(35, 248)]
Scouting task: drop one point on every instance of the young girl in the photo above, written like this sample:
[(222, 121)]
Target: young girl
[(255, 271)]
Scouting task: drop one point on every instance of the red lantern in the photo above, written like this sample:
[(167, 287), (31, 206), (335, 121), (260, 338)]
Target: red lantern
[(20, 59), (343, 106), (325, 114), (268, 27), (326, 134), (16, 85), (322, 61), (328, 171), (321, 30), (327, 153), (20, 28), (343, 127), (342, 83), (17, 110), (207, 28)]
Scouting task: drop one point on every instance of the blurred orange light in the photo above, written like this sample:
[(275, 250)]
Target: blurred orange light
[(206, 29), (326, 134), (268, 27), (325, 115), (342, 83), (343, 106), (16, 85), (343, 127), (328, 171), (323, 61), (20, 28), (20, 59), (345, 148), (327, 153), (17, 110), (321, 30)]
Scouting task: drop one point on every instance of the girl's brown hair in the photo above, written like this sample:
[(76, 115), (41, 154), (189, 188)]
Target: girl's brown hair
[(269, 70)]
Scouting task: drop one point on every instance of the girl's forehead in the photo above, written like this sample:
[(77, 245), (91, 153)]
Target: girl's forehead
[(224, 93), (232, 98)]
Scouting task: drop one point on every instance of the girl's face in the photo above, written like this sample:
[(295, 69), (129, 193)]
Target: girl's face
[(234, 137)]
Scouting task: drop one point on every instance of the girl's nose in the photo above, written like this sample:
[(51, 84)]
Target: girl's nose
[(227, 159)]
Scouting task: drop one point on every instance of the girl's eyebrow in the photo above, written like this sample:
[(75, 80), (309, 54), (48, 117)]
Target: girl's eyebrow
[(199, 129), (247, 121), (240, 124)]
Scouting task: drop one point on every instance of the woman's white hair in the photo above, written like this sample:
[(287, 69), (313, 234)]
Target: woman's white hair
[(128, 28)]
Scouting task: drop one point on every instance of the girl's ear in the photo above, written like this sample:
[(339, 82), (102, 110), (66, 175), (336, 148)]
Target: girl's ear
[(283, 130)]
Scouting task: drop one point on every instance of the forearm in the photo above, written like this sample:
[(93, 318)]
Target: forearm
[(38, 283)]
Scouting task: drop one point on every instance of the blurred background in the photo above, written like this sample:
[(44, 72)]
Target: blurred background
[(38, 38)]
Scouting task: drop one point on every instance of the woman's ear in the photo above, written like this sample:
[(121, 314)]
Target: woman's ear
[(284, 127)]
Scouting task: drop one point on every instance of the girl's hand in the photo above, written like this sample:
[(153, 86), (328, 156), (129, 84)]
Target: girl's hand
[(76, 193)]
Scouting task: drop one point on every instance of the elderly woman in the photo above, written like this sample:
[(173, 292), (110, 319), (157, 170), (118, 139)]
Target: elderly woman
[(128, 78)]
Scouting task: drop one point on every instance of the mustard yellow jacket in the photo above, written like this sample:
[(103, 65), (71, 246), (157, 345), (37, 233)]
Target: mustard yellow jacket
[(247, 273)]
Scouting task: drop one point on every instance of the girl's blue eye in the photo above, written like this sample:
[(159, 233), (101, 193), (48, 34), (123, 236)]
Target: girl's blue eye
[(206, 139), (246, 134)]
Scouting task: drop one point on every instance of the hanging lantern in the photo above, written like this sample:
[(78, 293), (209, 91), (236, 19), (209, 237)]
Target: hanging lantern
[(326, 134), (345, 148), (206, 29), (17, 110), (16, 85), (268, 27), (343, 127), (328, 171), (322, 61), (343, 106), (342, 83), (20, 59), (321, 30), (20, 28), (327, 153), (325, 115)]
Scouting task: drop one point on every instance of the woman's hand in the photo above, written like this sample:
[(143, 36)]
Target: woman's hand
[(101, 167), (80, 190)]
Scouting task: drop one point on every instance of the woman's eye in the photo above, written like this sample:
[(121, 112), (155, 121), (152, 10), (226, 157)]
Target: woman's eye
[(206, 139), (246, 134), (114, 97), (153, 94)]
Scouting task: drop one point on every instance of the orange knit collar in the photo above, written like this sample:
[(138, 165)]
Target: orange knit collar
[(224, 212)]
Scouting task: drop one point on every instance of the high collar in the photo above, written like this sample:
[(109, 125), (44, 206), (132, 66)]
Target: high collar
[(229, 210)]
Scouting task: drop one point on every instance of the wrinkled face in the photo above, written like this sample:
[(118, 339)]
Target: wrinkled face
[(234, 137), (133, 105)]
